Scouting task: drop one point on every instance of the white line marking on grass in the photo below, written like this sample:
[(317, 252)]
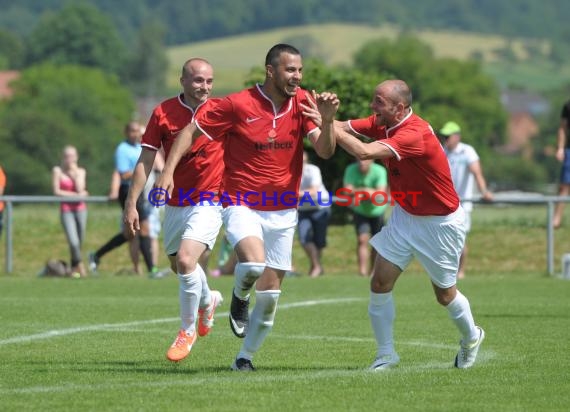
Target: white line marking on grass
[(232, 377), (240, 377), (356, 339), (428, 345), (323, 338), (112, 326), (80, 329)]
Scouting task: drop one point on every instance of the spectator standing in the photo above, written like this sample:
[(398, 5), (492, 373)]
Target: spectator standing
[(69, 180), (465, 171), (2, 188), (366, 176), (563, 156), (126, 157), (314, 215)]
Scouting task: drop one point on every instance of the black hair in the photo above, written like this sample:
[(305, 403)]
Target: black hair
[(274, 53)]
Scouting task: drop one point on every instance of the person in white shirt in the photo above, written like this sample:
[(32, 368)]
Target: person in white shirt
[(314, 214), (465, 171)]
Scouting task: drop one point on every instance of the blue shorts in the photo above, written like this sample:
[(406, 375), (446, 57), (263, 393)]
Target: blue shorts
[(313, 226), (565, 172), (370, 225)]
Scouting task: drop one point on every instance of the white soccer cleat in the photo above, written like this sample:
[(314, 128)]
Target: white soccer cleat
[(206, 315), (468, 353), (385, 362)]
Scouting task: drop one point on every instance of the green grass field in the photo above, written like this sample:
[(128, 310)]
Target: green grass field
[(99, 343)]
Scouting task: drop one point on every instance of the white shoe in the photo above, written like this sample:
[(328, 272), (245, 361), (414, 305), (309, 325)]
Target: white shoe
[(385, 362), (468, 353), (93, 262), (206, 315)]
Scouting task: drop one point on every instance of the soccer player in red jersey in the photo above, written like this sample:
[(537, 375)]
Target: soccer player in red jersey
[(190, 225), (427, 223), (263, 128)]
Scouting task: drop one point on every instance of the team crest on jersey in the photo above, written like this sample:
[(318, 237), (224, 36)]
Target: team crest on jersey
[(272, 136)]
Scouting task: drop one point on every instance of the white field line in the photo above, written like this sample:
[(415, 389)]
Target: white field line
[(233, 377), (365, 340), (110, 326)]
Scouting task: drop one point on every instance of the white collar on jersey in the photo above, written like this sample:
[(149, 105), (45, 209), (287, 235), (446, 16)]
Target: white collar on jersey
[(188, 107), (400, 122), (276, 116)]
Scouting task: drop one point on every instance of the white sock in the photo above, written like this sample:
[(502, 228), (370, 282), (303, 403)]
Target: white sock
[(460, 314), (206, 297), (260, 322), (190, 289), (246, 274), (382, 314)]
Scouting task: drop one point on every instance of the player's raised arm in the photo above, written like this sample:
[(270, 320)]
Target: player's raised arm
[(357, 148), (183, 142), (322, 110)]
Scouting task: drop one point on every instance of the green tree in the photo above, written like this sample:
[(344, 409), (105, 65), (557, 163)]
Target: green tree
[(78, 34), (11, 50), (58, 105), (145, 72), (460, 91), (405, 57), (443, 89)]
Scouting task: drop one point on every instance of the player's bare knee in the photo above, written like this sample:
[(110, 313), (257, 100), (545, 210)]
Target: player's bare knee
[(378, 285), (185, 263), (445, 296)]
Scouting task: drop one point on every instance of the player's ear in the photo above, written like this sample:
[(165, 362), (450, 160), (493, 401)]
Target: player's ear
[(269, 71)]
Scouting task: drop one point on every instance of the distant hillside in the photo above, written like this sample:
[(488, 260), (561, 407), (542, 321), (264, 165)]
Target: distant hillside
[(186, 20), (234, 56)]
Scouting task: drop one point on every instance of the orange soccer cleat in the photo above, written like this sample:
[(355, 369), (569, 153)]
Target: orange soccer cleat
[(181, 346)]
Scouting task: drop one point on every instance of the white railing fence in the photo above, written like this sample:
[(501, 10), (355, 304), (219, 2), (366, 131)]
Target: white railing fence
[(548, 201), (8, 216)]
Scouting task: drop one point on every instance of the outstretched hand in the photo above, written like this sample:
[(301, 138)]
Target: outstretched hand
[(163, 187), (322, 107), (131, 221), (327, 104)]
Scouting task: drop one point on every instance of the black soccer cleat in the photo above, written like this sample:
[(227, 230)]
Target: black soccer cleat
[(243, 365), (239, 316)]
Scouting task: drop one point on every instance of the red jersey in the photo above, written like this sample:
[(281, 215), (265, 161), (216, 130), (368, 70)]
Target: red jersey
[(263, 152), (199, 172), (420, 164)]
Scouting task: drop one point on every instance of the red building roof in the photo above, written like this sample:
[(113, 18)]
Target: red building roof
[(6, 77)]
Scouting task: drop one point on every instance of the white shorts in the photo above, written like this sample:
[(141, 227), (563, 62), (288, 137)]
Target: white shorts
[(437, 242), (154, 223), (200, 223), (275, 228), (467, 221)]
